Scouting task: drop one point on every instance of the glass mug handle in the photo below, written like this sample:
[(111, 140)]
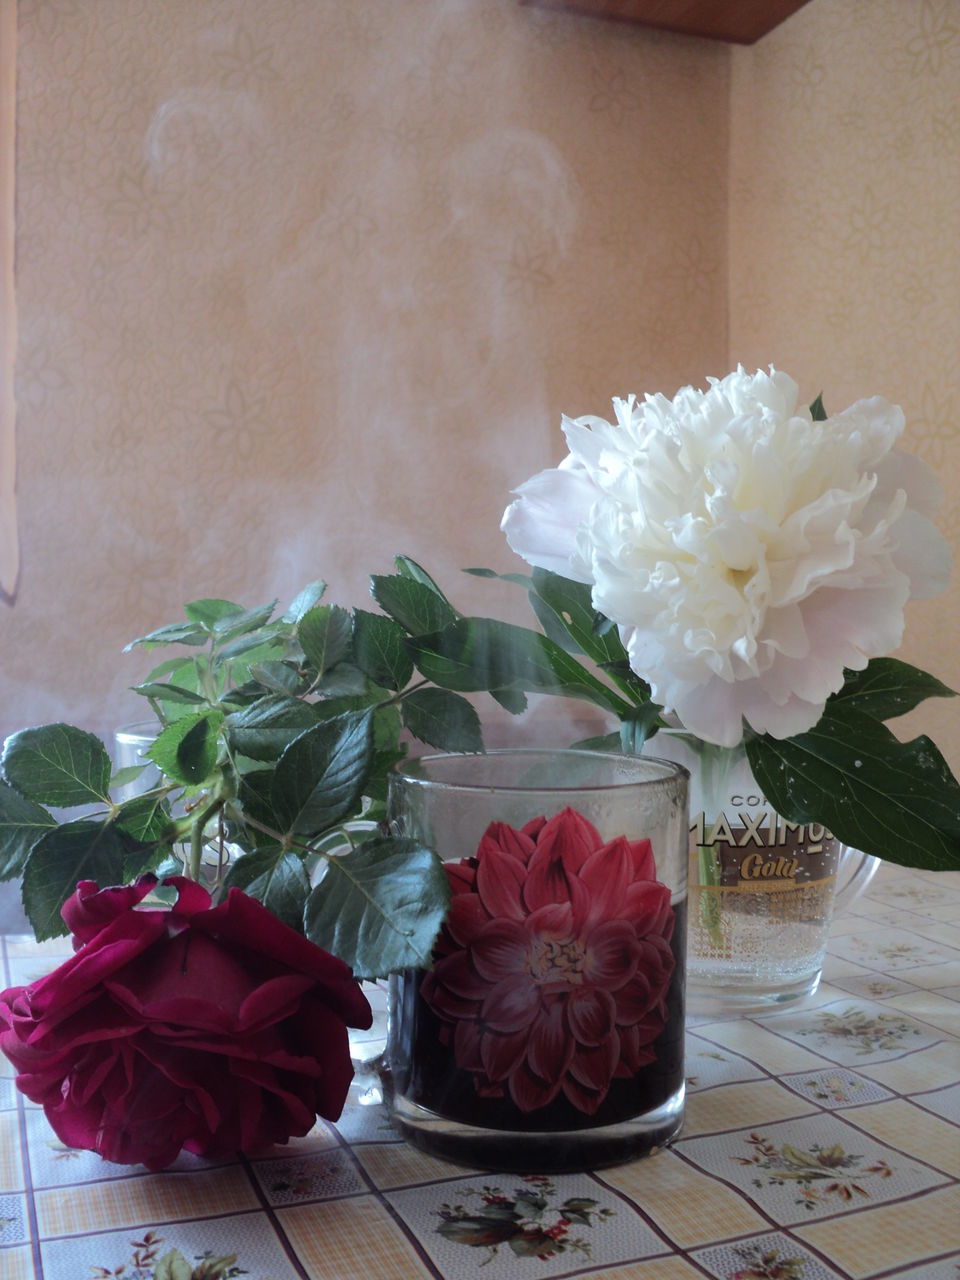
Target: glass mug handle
[(854, 873)]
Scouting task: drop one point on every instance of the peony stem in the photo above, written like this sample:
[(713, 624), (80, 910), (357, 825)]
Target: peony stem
[(710, 878)]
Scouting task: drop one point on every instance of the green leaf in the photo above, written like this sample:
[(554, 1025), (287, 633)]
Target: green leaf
[(444, 719), (530, 1244), (611, 743), (58, 765), (261, 643), (304, 600), (176, 633), (238, 624), (173, 1266), (566, 608), (343, 681), (74, 851), (146, 818), (171, 666), (265, 728), (511, 700), (518, 579), (887, 688), (275, 877), (141, 858), (380, 907), (636, 727), (256, 799), (167, 692), (125, 776), (478, 653), (416, 607), (482, 1231), (207, 613), (319, 778), (817, 412), (325, 634), (410, 569), (22, 823), (186, 750), (379, 650), (278, 677), (895, 799)]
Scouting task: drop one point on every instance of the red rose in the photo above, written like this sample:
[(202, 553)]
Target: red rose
[(214, 1029), (552, 971)]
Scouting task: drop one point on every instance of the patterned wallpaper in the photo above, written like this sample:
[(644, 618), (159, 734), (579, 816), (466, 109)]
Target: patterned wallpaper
[(304, 283)]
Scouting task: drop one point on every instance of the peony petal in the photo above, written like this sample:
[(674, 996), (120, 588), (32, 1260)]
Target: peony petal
[(541, 524)]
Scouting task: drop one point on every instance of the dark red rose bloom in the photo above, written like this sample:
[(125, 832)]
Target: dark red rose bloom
[(213, 1029), (552, 970)]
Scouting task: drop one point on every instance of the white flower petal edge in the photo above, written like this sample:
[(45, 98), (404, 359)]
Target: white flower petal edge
[(747, 553)]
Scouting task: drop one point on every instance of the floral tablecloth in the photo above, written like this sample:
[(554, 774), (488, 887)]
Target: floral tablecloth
[(819, 1142)]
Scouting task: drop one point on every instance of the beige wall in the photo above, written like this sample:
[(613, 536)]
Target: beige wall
[(844, 245), (302, 283)]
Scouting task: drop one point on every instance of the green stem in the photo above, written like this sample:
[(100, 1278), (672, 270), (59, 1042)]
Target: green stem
[(710, 879)]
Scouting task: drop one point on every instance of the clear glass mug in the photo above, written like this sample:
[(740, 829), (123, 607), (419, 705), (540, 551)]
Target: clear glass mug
[(763, 892), (548, 1034)]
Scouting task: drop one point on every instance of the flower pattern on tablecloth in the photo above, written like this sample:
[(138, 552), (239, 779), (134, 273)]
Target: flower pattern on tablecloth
[(530, 1219), (817, 1172), (836, 1088), (768, 1257)]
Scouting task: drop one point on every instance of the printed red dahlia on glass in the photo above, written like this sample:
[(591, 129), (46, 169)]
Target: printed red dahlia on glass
[(548, 1032)]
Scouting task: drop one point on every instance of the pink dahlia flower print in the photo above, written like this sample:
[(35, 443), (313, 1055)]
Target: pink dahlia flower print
[(551, 973)]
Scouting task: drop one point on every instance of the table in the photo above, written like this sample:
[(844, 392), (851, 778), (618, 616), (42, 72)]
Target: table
[(819, 1142)]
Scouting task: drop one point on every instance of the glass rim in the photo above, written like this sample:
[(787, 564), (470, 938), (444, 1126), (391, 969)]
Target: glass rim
[(137, 731), (410, 771)]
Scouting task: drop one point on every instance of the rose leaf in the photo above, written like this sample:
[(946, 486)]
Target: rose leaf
[(275, 877), (443, 719), (58, 764), (74, 851), (186, 750), (266, 727), (22, 823), (379, 651), (380, 907), (325, 634), (416, 607), (320, 776)]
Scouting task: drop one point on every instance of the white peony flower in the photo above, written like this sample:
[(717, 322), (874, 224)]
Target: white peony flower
[(747, 553)]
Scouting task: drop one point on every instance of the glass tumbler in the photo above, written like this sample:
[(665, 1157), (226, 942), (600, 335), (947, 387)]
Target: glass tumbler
[(548, 1034)]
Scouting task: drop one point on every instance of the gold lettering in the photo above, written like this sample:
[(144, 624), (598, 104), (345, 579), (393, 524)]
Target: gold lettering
[(721, 831), (785, 826), (756, 867)]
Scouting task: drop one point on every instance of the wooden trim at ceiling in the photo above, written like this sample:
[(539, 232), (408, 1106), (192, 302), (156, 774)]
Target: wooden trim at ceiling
[(737, 21)]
